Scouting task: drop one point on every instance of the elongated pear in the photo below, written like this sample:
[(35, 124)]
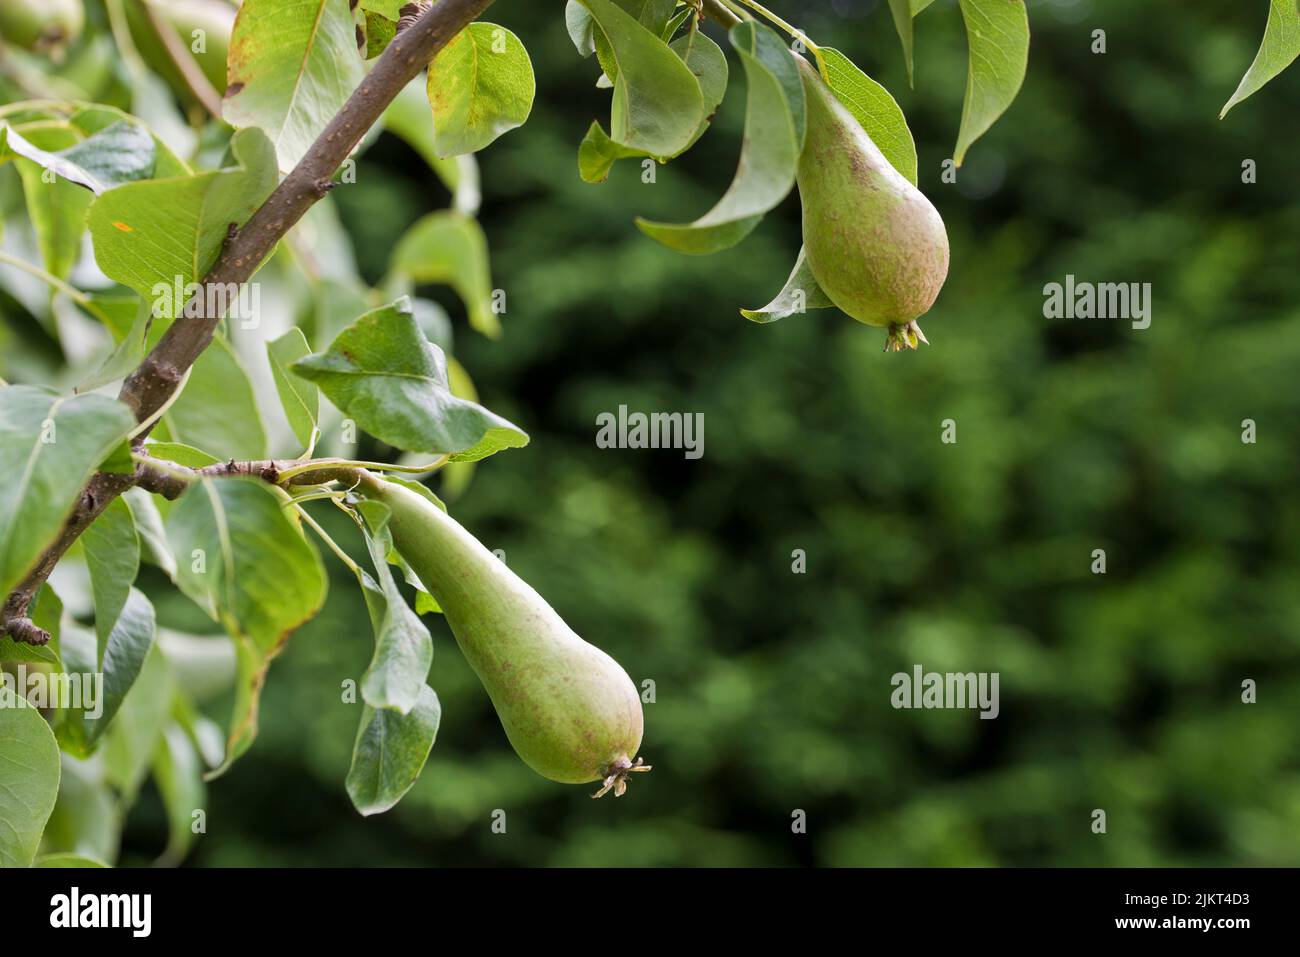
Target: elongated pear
[(569, 710), (874, 243)]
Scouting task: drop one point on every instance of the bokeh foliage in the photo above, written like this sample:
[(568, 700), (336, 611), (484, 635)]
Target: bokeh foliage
[(1119, 692)]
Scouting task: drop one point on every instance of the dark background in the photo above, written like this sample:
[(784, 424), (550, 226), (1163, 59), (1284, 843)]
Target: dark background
[(1119, 691)]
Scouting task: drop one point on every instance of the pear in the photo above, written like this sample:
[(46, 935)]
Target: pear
[(570, 710), (874, 243), (43, 26)]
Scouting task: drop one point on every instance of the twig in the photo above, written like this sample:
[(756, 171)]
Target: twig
[(158, 376)]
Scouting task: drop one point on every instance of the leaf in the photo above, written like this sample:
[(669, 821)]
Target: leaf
[(57, 209), (597, 154), (403, 648), (157, 234), (997, 32), (121, 153), (708, 63), (291, 67), (301, 399), (217, 410), (119, 658), (29, 779), (245, 561), (705, 59), (1279, 48), (178, 773), (49, 447), (651, 14), (480, 86), (873, 107), (112, 550), (657, 105), (582, 29), (774, 126), (390, 752), (382, 372), (919, 5), (447, 247), (902, 13), (380, 31), (132, 739), (408, 117), (86, 820), (65, 861), (800, 293), (149, 525)]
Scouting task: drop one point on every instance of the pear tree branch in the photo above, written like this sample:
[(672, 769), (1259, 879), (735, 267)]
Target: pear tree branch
[(162, 371)]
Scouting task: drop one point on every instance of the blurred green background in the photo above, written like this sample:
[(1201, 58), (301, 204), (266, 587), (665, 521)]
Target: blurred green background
[(1119, 691)]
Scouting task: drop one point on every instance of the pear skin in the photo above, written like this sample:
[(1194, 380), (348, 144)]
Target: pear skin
[(874, 243), (570, 710)]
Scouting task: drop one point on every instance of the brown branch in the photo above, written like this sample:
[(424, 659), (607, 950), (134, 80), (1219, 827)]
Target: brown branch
[(160, 373)]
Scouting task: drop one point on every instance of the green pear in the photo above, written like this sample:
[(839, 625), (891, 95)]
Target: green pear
[(43, 26), (874, 243), (569, 710)]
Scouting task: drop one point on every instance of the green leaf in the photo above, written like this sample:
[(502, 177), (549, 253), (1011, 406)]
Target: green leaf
[(382, 372), (403, 647), (291, 68), (120, 659), (152, 236), (121, 153), (390, 752), (651, 14), (708, 63), (301, 399), (774, 126), (582, 29), (65, 861), (480, 86), (1280, 47), (800, 293), (217, 409), (392, 9), (29, 779), (49, 447), (57, 209), (380, 32), (132, 739), (86, 821), (657, 105), (597, 154), (902, 13), (705, 59), (448, 247), (149, 526), (178, 772), (46, 612), (244, 560), (408, 117), (112, 550), (919, 5), (873, 107), (997, 32)]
